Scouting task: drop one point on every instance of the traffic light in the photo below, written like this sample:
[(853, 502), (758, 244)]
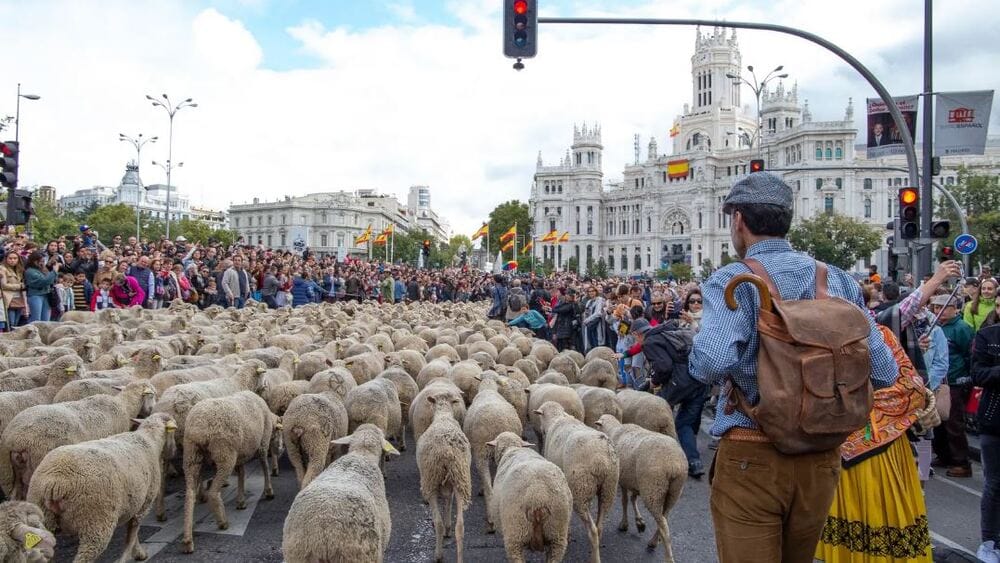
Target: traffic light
[(936, 166), (757, 165), (427, 248), (8, 164), (520, 28), (947, 253), (940, 229), (909, 213), (22, 209)]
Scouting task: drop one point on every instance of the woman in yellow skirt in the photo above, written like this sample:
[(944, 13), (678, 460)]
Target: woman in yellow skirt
[(879, 514)]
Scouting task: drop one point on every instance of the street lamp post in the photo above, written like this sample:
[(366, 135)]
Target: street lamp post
[(171, 110), (757, 88), (17, 136), (137, 142), (167, 168)]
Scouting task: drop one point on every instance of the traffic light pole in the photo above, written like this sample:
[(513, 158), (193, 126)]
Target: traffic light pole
[(923, 266)]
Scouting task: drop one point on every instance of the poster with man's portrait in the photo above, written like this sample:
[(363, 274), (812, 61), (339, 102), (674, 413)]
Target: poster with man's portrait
[(884, 137)]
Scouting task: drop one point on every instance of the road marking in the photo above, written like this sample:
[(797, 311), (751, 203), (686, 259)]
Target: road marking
[(948, 543), (969, 490), (204, 520)]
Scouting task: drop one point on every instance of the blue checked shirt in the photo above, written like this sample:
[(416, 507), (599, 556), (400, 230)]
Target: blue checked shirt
[(725, 349)]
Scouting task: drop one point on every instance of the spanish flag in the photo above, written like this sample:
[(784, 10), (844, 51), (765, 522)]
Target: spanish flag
[(527, 248), (551, 237), (564, 237), (388, 230), (508, 246), (678, 168), (675, 130), (510, 234), (381, 239), (365, 236), (483, 231)]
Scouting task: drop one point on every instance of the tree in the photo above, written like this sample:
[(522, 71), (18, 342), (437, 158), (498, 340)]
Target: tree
[(680, 271), (449, 253), (506, 215), (111, 220), (979, 197), (706, 268), (572, 265), (599, 269), (47, 223), (835, 239)]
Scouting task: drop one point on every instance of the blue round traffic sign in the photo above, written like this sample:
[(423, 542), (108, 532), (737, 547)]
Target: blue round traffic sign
[(966, 244)]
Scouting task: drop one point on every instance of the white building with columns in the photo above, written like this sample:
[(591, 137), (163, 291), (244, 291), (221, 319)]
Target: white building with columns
[(668, 208)]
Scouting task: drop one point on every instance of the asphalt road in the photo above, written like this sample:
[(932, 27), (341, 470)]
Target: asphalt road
[(255, 533)]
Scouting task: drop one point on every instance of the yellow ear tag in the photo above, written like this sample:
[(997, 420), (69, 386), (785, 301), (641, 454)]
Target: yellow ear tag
[(31, 539), (386, 447)]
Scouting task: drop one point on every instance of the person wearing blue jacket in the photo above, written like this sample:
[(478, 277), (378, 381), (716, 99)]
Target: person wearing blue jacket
[(301, 290)]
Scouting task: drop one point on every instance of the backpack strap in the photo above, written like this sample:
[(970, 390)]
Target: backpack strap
[(821, 281), (758, 270)]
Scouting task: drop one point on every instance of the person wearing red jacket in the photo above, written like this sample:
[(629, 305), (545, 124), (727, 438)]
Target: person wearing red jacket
[(125, 292)]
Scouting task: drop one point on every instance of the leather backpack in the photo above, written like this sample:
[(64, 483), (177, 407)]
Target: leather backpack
[(813, 366)]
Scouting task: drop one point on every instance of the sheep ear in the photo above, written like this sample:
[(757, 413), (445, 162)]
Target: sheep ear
[(478, 378), (598, 424), (527, 444), (538, 411), (118, 387), (345, 441), (432, 400), (329, 363), (389, 449), (137, 421), (492, 443)]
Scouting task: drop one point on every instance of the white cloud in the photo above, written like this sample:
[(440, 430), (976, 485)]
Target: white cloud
[(417, 103)]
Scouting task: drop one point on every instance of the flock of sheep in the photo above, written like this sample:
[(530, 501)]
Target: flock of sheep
[(98, 411)]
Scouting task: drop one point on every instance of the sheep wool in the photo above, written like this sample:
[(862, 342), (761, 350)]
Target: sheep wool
[(531, 502), (310, 423), (226, 432), (597, 401), (89, 488), (590, 462), (375, 402), (653, 467), (647, 410), (26, 538), (422, 411), (40, 429), (540, 393), (444, 459), (343, 514)]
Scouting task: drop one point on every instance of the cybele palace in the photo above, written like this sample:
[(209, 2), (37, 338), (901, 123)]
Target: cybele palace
[(668, 208)]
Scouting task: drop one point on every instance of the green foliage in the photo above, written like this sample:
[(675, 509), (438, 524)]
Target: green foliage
[(110, 220), (680, 271), (835, 239), (598, 270), (661, 273), (48, 224), (503, 217), (572, 265), (979, 197), (706, 268), (727, 259)]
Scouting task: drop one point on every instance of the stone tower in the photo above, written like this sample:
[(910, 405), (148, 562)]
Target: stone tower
[(715, 56)]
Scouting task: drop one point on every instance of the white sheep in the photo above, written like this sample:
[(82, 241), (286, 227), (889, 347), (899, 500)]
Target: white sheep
[(88, 489), (333, 379), (444, 459), (279, 396), (597, 401), (226, 432), (653, 467), (310, 423), (489, 416), (24, 536), (38, 430), (375, 402), (343, 514), (599, 373), (554, 377), (26, 378), (59, 373), (432, 370), (532, 501), (565, 365), (647, 410), (407, 391), (590, 462), (540, 393), (421, 410)]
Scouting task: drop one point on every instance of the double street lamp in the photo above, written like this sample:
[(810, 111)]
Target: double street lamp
[(137, 142), (17, 136), (757, 88), (171, 110)]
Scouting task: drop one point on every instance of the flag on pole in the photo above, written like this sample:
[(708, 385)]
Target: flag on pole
[(509, 235), (381, 239), (678, 168), (506, 247), (388, 230), (527, 248), (365, 236), (551, 237), (564, 237), (483, 231), (675, 130)]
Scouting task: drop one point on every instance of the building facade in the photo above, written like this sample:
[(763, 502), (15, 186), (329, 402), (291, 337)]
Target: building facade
[(150, 200), (329, 222), (668, 209)]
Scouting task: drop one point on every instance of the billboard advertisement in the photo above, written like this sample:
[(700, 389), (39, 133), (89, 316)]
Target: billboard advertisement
[(961, 120), (884, 138)]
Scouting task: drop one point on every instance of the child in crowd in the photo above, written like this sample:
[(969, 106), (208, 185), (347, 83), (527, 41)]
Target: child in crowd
[(82, 290), (102, 297), (211, 293)]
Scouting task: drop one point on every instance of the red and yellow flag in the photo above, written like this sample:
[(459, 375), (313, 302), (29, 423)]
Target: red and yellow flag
[(675, 130), (527, 248), (564, 237), (365, 236), (678, 168), (381, 239), (509, 235), (551, 237), (483, 231), (508, 246), (388, 230)]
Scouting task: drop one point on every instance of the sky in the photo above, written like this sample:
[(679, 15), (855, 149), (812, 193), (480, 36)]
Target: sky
[(298, 96)]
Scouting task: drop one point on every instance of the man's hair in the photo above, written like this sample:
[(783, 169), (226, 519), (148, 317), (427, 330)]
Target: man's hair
[(764, 219), (873, 267), (890, 290)]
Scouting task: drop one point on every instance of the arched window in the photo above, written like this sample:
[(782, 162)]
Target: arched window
[(868, 208), (829, 153), (638, 261), (839, 151), (819, 151), (949, 181), (868, 183)]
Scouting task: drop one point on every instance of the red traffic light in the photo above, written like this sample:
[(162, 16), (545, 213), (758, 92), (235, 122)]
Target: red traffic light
[(757, 165), (947, 251), (8, 149), (520, 7)]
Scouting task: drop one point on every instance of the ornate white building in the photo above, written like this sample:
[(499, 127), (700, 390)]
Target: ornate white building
[(151, 200), (669, 208)]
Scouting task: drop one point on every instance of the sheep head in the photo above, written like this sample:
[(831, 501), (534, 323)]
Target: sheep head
[(607, 423), (140, 396), (505, 442), (550, 411), (367, 441), (276, 446), (28, 530)]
